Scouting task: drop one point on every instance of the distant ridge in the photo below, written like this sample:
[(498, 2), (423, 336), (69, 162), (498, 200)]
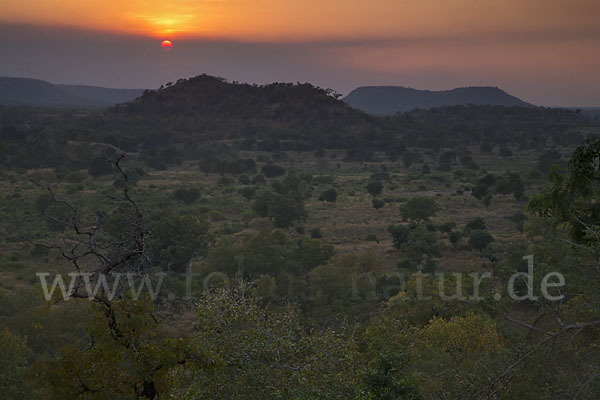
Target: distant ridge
[(36, 92), (387, 100), (103, 97)]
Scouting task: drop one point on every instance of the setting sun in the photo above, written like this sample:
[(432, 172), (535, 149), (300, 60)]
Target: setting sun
[(167, 44)]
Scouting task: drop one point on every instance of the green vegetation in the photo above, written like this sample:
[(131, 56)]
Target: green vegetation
[(301, 249)]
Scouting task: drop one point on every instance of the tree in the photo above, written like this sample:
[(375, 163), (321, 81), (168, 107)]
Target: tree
[(176, 239), (255, 353), (477, 223), (418, 209), (13, 366), (479, 191), (284, 210), (378, 203), (510, 183), (120, 345), (282, 207), (330, 195), (455, 237), (124, 345), (479, 239), (566, 216), (399, 235), (375, 188)]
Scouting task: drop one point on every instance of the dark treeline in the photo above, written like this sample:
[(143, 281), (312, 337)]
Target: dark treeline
[(181, 120)]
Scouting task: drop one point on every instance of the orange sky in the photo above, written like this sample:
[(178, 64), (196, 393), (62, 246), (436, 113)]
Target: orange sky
[(276, 20)]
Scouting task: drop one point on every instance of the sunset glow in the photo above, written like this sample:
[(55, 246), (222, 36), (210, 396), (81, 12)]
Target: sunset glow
[(310, 19)]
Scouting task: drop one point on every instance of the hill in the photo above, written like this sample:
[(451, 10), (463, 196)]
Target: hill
[(36, 92), (387, 100), (209, 108)]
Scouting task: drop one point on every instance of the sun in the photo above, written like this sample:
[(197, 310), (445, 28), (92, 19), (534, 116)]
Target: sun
[(166, 44)]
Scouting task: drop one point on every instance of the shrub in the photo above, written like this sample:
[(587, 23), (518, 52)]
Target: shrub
[(244, 180), (330, 195), (475, 224), (378, 203), (247, 192), (455, 237), (187, 196), (258, 179), (316, 233), (371, 237)]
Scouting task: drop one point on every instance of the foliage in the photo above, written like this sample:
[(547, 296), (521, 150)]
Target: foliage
[(399, 235), (375, 188), (272, 170), (378, 203), (571, 198), (13, 366), (477, 223), (284, 204), (124, 360), (316, 233), (176, 239), (329, 195), (187, 195), (418, 209), (510, 183), (479, 239), (518, 219), (258, 354)]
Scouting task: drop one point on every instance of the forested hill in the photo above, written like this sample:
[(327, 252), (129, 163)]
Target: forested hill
[(207, 107), (387, 100)]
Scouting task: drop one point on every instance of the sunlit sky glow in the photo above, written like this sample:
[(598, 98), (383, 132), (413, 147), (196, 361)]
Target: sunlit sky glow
[(546, 51)]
